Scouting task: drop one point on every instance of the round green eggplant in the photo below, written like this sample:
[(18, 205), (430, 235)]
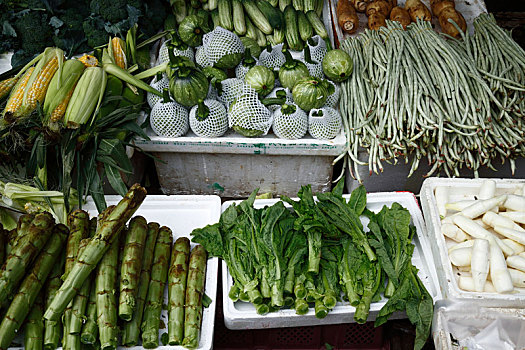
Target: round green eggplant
[(189, 89), (337, 65), (191, 30), (310, 93), (212, 72), (251, 44), (291, 74), (261, 79)]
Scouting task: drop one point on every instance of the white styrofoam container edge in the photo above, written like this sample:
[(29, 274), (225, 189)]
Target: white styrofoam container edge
[(240, 315)]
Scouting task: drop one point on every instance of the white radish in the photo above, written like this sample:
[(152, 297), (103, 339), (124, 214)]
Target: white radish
[(476, 231), (522, 254), (460, 205), (515, 235), (460, 256), (453, 232), (466, 244), (516, 216), (464, 270), (492, 219), (441, 194), (518, 248), (518, 278), (479, 263), (487, 189), (467, 284), (449, 219), (499, 275), (517, 262), (483, 206), (514, 202), (481, 223)]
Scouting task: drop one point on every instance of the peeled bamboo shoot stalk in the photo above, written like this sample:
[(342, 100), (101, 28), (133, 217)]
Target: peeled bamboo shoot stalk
[(23, 254), (34, 326), (89, 333), (154, 300), (131, 266), (177, 277), (131, 331), (3, 243), (11, 238), (105, 283), (31, 286), (194, 294), (95, 250), (81, 299), (22, 227), (53, 329)]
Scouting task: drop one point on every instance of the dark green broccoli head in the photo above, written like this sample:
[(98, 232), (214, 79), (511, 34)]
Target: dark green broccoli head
[(34, 41), (94, 30), (110, 10)]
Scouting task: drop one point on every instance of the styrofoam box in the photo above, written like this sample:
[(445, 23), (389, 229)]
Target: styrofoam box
[(242, 315), (182, 214), (461, 189)]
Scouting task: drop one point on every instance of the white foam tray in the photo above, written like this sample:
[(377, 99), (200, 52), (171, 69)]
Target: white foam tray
[(242, 315), (461, 189), (182, 214)]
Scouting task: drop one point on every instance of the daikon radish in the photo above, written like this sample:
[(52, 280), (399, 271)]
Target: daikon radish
[(514, 202), (466, 244), (476, 231), (516, 216), (518, 248), (461, 256), (481, 223), (467, 284), (464, 270), (515, 235), (453, 232), (479, 263), (449, 219), (460, 205), (441, 194), (483, 206), (492, 219), (517, 262), (518, 277), (522, 254), (499, 275), (487, 189)]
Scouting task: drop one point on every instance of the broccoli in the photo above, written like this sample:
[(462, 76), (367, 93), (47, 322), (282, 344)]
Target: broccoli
[(110, 10), (94, 30), (155, 12), (34, 32), (70, 35), (8, 39)]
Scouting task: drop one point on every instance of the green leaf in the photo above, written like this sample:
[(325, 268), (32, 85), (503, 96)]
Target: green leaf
[(206, 300), (164, 339), (115, 180), (97, 192), (113, 148), (358, 200)]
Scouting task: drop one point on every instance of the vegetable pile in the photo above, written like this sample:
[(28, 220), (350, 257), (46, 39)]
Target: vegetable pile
[(485, 238), (419, 96), (318, 255), (87, 282)]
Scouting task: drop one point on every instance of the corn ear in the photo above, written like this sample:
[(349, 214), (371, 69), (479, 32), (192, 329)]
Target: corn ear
[(17, 94), (116, 49), (89, 61), (61, 89), (125, 76), (50, 62), (86, 97), (6, 86)]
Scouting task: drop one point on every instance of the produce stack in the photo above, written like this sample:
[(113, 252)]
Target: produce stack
[(76, 270), (318, 255)]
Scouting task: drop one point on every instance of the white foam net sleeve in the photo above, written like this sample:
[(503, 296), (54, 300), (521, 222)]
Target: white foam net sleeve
[(273, 93), (249, 113), (333, 99), (273, 59), (221, 42), (215, 125), (315, 69), (160, 85), (165, 57), (231, 89), (212, 93), (169, 119), (241, 69), (318, 51), (290, 126), (324, 127), (201, 57)]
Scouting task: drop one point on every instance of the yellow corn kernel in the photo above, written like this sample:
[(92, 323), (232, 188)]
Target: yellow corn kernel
[(119, 54), (38, 89), (15, 101), (89, 61), (7, 85), (59, 112)]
